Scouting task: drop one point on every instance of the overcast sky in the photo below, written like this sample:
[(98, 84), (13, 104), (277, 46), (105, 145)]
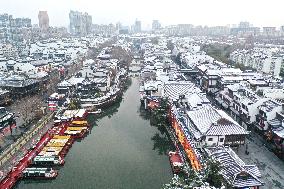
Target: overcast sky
[(197, 12)]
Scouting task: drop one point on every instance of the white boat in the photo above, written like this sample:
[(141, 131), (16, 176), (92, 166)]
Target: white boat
[(40, 173), (96, 112)]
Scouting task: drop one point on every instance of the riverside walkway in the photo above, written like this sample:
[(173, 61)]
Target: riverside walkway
[(13, 155)]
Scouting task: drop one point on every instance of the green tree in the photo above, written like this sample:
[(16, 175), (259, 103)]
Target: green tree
[(176, 183), (282, 72), (162, 143), (155, 40), (74, 104), (170, 45), (159, 115), (182, 181), (213, 176), (178, 59)]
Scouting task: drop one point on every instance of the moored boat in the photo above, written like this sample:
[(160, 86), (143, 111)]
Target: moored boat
[(61, 141), (79, 124), (76, 132), (176, 161), (96, 112), (39, 173), (48, 161), (69, 115)]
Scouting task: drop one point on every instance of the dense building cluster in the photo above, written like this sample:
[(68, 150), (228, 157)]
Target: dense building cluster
[(266, 60), (253, 98), (13, 29), (27, 74), (213, 106)]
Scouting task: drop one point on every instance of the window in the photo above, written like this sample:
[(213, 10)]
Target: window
[(210, 139), (221, 139)]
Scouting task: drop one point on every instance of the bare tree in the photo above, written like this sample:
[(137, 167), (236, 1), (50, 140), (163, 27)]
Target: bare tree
[(51, 86), (29, 107), (122, 55)]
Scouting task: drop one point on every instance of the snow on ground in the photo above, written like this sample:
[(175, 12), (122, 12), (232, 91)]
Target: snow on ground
[(270, 166)]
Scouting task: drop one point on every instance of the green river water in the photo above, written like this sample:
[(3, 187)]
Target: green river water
[(123, 151)]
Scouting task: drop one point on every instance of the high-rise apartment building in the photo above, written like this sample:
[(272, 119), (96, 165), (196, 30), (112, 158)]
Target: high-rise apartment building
[(43, 20), (245, 29), (137, 26), (269, 31), (80, 23), (156, 25)]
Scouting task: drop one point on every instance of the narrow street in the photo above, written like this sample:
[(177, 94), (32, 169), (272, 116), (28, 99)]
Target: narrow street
[(270, 166), (25, 143)]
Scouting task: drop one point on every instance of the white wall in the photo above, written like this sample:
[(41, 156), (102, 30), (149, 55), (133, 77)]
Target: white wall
[(266, 65), (271, 115), (253, 110), (88, 72), (215, 141), (3, 66), (277, 68)]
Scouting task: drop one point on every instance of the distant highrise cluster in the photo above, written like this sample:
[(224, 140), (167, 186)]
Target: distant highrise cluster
[(245, 25), (156, 25), (245, 29), (80, 23), (104, 29), (13, 28), (43, 20)]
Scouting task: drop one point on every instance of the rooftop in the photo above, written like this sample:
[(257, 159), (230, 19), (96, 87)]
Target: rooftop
[(269, 105), (211, 121), (233, 169), (173, 90)]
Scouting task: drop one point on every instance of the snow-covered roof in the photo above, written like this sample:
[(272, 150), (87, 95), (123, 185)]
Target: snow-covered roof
[(279, 131), (152, 85), (196, 99), (88, 62), (173, 90), (38, 75), (221, 129), (203, 117), (269, 105), (214, 122), (233, 169), (213, 72), (76, 80), (232, 78), (64, 84), (99, 80), (257, 82)]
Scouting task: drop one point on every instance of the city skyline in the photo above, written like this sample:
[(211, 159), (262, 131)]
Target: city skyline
[(148, 94), (203, 12)]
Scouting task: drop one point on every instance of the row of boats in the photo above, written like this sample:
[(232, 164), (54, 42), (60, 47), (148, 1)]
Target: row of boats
[(43, 159)]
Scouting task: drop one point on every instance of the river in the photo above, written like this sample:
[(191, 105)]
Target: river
[(123, 151)]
